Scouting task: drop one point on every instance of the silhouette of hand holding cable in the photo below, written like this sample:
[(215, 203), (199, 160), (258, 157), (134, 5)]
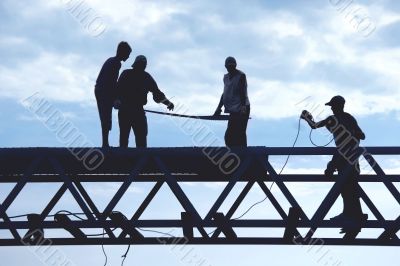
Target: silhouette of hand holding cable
[(306, 115)]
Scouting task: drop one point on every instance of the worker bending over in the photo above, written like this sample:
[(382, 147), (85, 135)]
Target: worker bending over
[(132, 89)]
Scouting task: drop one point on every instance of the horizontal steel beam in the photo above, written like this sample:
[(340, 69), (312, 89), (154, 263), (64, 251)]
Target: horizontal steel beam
[(203, 241), (178, 224), (46, 178)]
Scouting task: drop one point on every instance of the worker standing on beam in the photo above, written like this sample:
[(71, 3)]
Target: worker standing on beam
[(132, 89), (105, 88), (236, 102), (347, 135)]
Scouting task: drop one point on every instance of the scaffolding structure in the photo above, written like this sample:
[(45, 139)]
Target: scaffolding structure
[(70, 167)]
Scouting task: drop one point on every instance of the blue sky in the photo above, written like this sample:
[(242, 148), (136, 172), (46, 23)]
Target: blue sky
[(290, 51)]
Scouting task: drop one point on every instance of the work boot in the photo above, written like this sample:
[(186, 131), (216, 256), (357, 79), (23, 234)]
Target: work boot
[(354, 224)]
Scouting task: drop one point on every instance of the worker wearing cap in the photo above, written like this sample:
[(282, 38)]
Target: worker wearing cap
[(105, 88), (236, 102), (132, 89), (347, 135)]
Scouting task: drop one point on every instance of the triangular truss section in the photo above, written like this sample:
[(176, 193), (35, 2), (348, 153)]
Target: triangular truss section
[(166, 172)]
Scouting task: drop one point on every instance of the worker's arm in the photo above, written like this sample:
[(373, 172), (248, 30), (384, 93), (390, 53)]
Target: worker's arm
[(119, 89), (359, 134), (158, 95), (242, 92), (332, 166), (218, 111), (114, 72), (307, 116)]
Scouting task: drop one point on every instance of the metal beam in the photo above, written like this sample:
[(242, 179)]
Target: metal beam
[(174, 166)]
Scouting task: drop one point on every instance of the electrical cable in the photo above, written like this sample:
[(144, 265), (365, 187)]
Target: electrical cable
[(167, 234), (125, 255), (70, 214), (51, 215), (82, 219), (280, 172), (284, 165), (102, 234), (154, 231), (18, 216), (316, 145), (104, 252)]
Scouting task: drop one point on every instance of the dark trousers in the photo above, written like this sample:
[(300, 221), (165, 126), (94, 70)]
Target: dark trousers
[(350, 192), (135, 120), (104, 105), (235, 135)]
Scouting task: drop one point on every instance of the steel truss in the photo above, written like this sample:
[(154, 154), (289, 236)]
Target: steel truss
[(170, 167)]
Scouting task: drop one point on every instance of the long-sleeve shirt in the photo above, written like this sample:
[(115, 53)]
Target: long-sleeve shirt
[(133, 87), (108, 76)]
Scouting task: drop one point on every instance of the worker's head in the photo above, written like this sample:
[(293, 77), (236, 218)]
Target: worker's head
[(336, 104), (123, 51), (230, 64), (140, 63)]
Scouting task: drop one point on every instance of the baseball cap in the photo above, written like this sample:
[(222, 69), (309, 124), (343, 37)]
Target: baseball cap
[(336, 100)]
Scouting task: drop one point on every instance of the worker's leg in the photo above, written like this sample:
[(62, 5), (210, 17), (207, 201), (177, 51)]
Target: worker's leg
[(104, 107), (235, 135), (140, 129), (242, 128), (229, 135), (351, 196), (124, 128)]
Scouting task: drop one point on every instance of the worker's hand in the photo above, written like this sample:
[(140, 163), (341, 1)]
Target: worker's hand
[(328, 173), (330, 169), (306, 115), (170, 106), (117, 104), (218, 112), (359, 135)]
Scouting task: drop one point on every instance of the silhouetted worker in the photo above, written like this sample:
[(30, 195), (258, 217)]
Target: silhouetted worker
[(105, 89), (133, 86), (347, 135), (236, 102)]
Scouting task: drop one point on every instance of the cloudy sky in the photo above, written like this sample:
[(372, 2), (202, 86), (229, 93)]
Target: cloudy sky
[(296, 54)]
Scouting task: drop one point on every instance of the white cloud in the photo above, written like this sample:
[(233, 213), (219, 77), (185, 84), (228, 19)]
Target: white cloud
[(284, 45), (278, 24), (56, 77), (7, 41), (136, 18)]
